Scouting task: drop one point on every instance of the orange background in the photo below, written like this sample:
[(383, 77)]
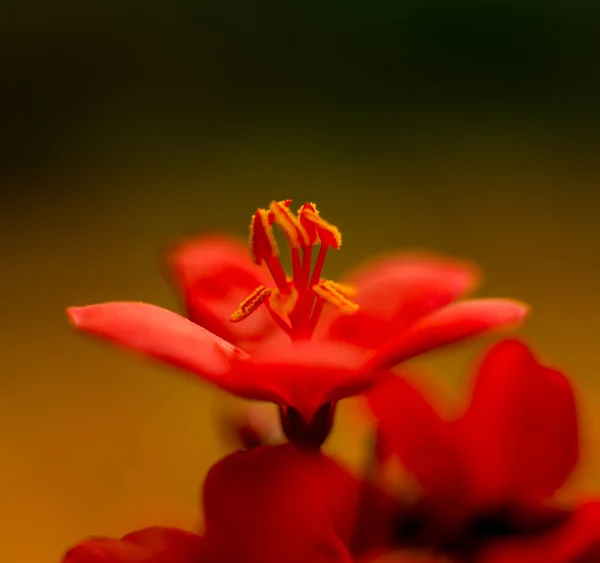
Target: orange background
[(95, 442)]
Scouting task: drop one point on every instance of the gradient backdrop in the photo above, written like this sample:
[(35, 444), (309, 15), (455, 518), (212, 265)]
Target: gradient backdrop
[(470, 128)]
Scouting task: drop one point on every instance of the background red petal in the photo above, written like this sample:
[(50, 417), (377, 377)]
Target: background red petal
[(521, 427), (270, 505), (214, 274)]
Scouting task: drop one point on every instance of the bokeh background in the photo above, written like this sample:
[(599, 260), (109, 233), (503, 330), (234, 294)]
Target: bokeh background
[(469, 128)]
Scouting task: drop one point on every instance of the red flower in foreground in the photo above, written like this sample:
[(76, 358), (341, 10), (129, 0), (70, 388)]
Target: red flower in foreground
[(267, 505), (406, 309), (150, 545), (488, 477)]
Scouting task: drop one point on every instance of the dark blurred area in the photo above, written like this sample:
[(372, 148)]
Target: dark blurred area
[(72, 72), (468, 128)]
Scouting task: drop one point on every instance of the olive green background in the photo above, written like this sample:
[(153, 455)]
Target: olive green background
[(468, 130)]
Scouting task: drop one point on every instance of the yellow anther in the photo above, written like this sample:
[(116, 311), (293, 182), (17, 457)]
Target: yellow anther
[(328, 234), (251, 303), (290, 225), (262, 239), (346, 289), (326, 290), (283, 303)]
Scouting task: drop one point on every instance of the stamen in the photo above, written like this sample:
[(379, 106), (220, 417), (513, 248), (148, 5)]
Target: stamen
[(262, 240), (305, 268), (328, 234), (278, 274), (319, 263), (329, 293), (309, 226), (316, 313), (297, 269), (282, 303), (346, 289), (279, 320), (290, 225), (251, 303)]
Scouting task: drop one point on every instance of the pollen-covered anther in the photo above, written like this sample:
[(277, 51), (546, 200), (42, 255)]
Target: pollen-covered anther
[(251, 303), (327, 291), (311, 220), (262, 239), (346, 289), (289, 224), (283, 303)]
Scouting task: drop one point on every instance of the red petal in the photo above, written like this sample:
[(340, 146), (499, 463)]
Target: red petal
[(268, 505), (107, 551), (150, 545), (215, 274), (169, 544), (410, 429), (521, 427), (578, 540), (401, 289), (453, 323), (400, 557), (406, 287), (163, 335), (305, 374)]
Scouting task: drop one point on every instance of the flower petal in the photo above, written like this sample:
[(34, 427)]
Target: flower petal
[(521, 427), (267, 505), (215, 274), (107, 551), (400, 290), (150, 545), (453, 323), (409, 428), (169, 544), (305, 374), (162, 335)]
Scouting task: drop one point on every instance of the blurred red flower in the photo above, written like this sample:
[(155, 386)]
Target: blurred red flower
[(488, 476), (267, 505), (405, 305)]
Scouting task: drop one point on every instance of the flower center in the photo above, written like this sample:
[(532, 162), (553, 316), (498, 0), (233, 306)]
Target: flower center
[(295, 303)]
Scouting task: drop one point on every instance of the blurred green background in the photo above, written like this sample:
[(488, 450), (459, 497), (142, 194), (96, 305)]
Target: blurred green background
[(469, 128)]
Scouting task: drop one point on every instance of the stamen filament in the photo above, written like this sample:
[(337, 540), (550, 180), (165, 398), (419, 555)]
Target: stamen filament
[(297, 270), (318, 269), (306, 263), (316, 313), (279, 320), (278, 274)]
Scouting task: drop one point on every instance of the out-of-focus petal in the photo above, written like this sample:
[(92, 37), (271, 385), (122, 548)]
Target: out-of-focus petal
[(169, 544), (305, 374), (521, 428), (409, 428), (163, 335), (576, 541), (107, 551), (453, 323), (404, 556), (269, 505), (400, 290), (215, 274), (150, 545)]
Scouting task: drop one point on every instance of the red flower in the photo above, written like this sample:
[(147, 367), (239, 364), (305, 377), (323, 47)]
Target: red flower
[(267, 505), (492, 471), (405, 304), (150, 545)]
